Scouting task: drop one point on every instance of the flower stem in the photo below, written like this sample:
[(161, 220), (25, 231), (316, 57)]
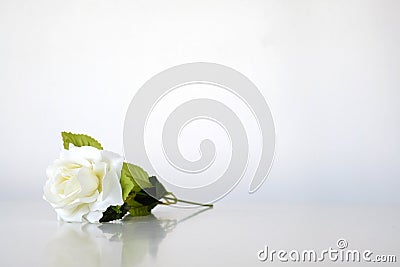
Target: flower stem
[(174, 200)]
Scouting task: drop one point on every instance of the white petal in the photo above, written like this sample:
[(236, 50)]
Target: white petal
[(114, 161), (83, 155), (111, 195), (94, 216), (73, 214), (88, 182)]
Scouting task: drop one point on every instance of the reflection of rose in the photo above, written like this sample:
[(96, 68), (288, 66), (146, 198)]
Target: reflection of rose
[(73, 246), (140, 236), (83, 183)]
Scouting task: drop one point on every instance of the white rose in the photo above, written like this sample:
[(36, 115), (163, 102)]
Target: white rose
[(83, 183)]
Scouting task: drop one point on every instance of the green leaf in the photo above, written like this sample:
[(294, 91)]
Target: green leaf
[(79, 140), (157, 190), (139, 176), (127, 182), (133, 179), (140, 192), (113, 213), (141, 203), (140, 211)]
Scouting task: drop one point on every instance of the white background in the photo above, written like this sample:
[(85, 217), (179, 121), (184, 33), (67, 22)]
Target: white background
[(329, 71)]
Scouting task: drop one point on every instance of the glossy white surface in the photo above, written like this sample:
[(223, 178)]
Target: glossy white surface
[(227, 235)]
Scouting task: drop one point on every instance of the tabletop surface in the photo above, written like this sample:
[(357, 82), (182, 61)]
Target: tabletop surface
[(229, 234)]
